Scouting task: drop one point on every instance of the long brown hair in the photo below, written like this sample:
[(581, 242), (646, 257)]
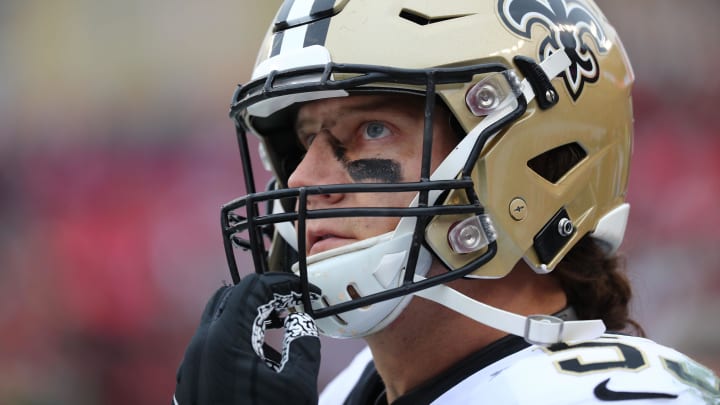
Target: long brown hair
[(597, 286)]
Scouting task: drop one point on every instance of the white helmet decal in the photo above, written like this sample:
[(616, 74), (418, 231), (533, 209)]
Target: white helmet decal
[(569, 23)]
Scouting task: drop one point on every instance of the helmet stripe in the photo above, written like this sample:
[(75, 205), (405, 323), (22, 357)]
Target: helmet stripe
[(317, 32), (301, 23), (298, 12)]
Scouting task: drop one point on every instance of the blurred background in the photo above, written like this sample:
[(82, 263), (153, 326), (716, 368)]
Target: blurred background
[(116, 154)]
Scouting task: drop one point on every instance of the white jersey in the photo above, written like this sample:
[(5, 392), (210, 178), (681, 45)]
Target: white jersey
[(627, 369)]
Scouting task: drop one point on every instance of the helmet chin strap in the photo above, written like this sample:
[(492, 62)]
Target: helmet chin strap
[(543, 330)]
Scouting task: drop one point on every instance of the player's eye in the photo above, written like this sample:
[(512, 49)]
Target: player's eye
[(306, 140), (375, 130)]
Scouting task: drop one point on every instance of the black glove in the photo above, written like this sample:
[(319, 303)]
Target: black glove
[(228, 362)]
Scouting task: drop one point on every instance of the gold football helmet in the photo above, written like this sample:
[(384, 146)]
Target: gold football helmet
[(525, 81)]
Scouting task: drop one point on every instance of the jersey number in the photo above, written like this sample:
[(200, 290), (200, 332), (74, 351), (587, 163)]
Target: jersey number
[(687, 371), (629, 357)]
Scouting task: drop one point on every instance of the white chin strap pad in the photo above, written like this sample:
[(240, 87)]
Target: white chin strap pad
[(541, 330)]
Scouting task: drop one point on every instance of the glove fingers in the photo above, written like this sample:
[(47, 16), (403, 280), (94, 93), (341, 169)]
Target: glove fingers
[(255, 291), (242, 313), (283, 289), (256, 297)]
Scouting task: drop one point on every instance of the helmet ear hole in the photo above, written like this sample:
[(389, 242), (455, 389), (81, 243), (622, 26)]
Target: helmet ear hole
[(552, 165)]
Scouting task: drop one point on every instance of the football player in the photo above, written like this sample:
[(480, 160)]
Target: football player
[(448, 184)]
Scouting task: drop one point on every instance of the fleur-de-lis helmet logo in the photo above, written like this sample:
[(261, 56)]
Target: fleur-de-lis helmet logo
[(569, 24)]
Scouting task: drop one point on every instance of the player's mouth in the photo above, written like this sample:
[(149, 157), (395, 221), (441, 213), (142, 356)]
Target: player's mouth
[(320, 242)]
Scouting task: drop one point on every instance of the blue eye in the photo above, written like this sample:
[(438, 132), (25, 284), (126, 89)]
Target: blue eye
[(375, 130)]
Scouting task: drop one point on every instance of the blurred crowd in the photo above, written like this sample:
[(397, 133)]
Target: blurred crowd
[(116, 154)]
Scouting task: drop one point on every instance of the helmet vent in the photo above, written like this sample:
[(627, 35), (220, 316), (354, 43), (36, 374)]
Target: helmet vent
[(556, 163), (422, 19)]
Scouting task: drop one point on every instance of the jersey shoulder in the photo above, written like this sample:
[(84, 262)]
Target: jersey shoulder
[(610, 368)]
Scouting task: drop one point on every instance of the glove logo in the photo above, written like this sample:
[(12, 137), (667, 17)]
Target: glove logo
[(279, 302), (569, 23)]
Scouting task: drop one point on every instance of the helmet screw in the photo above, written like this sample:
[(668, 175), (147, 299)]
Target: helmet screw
[(565, 227), (487, 97), (550, 95), (518, 209)]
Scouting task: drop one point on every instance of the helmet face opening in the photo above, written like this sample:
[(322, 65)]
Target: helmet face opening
[(542, 102)]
